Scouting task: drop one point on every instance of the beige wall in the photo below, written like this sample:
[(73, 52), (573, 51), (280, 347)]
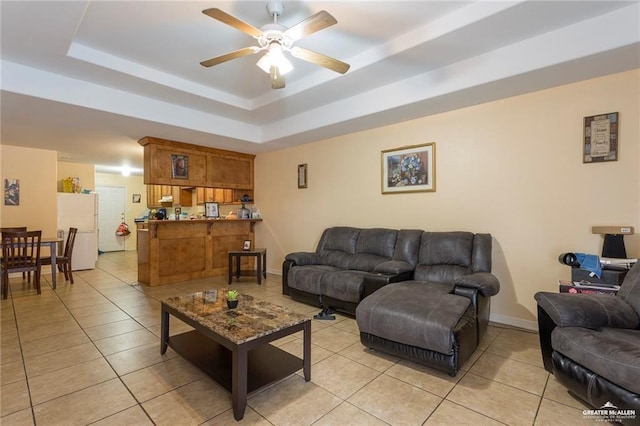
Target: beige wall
[(512, 168), (86, 173), (36, 171), (132, 185)]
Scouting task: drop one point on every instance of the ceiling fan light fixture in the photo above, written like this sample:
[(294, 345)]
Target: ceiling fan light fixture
[(275, 57)]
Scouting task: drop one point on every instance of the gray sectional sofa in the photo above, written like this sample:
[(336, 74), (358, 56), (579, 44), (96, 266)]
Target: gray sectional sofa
[(425, 296)]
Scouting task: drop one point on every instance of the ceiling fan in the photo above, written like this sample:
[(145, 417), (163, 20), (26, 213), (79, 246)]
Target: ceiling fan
[(276, 39)]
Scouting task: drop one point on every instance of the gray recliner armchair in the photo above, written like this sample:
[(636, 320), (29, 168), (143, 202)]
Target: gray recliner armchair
[(591, 344)]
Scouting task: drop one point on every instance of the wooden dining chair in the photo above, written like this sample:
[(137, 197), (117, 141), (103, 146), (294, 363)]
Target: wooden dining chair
[(15, 229), (20, 253), (64, 262)]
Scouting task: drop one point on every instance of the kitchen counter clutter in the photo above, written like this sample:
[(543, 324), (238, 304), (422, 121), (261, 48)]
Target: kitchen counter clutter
[(171, 251)]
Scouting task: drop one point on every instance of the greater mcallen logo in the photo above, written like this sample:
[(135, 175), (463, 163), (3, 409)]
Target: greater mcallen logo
[(609, 413)]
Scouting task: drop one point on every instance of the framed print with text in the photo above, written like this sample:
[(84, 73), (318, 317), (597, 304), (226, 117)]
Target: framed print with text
[(601, 139)]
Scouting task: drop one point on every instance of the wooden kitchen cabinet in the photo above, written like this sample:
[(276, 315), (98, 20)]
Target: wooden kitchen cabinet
[(206, 167), (156, 192), (186, 197), (217, 195)]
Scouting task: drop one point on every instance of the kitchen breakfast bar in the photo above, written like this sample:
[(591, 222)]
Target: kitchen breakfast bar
[(171, 251)]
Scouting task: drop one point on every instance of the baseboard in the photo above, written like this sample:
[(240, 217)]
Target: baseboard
[(514, 322), (501, 319)]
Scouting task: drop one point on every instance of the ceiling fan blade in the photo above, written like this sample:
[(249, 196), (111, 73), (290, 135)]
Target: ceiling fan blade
[(320, 59), (312, 24), (232, 21), (277, 79), (229, 56)]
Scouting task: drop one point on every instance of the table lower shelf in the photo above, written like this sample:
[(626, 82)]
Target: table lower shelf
[(266, 364)]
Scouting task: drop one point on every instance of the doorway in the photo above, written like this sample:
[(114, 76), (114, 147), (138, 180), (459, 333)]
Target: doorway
[(111, 213)]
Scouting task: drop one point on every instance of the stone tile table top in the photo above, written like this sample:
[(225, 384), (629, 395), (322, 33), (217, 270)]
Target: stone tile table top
[(253, 318)]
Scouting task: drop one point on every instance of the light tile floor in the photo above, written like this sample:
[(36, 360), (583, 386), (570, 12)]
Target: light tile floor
[(88, 353)]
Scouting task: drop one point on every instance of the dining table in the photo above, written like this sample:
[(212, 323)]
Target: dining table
[(54, 244)]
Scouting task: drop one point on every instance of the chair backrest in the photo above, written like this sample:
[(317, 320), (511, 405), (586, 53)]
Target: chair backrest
[(21, 250), (630, 288), (68, 247), (14, 229), (445, 256)]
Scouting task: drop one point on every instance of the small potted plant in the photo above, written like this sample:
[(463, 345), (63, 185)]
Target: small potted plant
[(232, 299)]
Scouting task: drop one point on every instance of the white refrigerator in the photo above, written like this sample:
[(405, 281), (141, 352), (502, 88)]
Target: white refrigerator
[(80, 211)]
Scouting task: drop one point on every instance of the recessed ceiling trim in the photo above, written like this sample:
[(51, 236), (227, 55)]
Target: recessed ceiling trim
[(42, 84), (581, 42), (124, 66)]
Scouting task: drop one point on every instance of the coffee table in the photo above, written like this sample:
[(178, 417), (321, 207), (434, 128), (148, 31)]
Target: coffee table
[(231, 345)]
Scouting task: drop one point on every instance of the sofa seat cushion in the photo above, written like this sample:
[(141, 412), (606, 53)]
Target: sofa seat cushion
[(612, 353), (309, 278), (344, 285), (413, 313)]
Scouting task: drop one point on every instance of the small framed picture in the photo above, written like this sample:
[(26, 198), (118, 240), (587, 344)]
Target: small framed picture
[(246, 246), (211, 210), (179, 166), (601, 139), (302, 175), (11, 192), (136, 198)]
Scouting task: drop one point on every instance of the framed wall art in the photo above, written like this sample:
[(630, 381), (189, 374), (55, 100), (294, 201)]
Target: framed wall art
[(11, 192), (211, 210), (601, 139), (179, 166), (409, 169), (302, 175), (136, 198)]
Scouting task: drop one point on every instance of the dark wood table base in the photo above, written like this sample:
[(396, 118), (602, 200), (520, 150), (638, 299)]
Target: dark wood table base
[(239, 368), (261, 264)]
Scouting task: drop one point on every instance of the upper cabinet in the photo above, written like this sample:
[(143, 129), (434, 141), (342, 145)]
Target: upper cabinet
[(180, 164), (156, 192)]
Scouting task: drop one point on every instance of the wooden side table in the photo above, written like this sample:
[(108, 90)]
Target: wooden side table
[(261, 263)]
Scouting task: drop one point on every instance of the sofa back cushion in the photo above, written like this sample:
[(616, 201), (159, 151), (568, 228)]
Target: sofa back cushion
[(408, 246), (337, 245), (445, 256), (374, 246), (630, 288), (378, 241)]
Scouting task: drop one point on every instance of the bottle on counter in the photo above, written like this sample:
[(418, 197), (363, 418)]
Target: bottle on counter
[(243, 212)]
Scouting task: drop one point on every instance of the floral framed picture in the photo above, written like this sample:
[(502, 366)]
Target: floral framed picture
[(409, 169)]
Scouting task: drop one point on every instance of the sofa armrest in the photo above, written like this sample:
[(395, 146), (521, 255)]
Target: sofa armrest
[(587, 310), (392, 267), (486, 283), (374, 282), (304, 258)]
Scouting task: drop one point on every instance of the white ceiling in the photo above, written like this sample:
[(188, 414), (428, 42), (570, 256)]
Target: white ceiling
[(90, 78)]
